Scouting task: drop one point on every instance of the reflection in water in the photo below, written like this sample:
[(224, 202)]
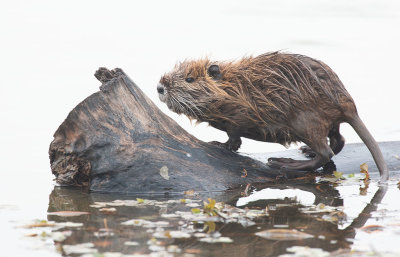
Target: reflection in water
[(167, 224)]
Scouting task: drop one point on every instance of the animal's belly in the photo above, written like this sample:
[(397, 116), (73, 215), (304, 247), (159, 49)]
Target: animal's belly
[(282, 136), (260, 133)]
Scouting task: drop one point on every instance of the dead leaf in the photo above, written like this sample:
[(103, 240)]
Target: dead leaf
[(40, 224), (210, 225), (364, 169), (192, 250), (373, 228), (283, 234), (103, 243), (214, 240), (108, 210), (31, 235), (338, 174), (68, 213), (189, 192), (364, 190), (196, 210), (245, 173)]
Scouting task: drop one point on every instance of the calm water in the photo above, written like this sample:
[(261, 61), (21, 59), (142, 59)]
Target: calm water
[(49, 51), (266, 220)]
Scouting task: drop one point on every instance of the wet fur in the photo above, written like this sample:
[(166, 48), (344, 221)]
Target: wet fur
[(274, 97), (261, 97)]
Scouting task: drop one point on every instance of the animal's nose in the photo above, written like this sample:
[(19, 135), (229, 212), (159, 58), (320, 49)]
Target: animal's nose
[(160, 89)]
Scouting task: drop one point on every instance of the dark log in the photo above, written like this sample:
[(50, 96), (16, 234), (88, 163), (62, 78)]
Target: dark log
[(117, 140)]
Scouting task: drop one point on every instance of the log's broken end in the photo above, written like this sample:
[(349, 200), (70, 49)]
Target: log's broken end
[(105, 75)]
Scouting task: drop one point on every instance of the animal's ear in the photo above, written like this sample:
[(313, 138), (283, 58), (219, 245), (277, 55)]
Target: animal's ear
[(214, 71)]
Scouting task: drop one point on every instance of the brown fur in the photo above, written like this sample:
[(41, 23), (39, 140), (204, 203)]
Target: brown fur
[(273, 97), (261, 96)]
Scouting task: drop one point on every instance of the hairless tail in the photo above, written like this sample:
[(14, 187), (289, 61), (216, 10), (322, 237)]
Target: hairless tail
[(373, 147)]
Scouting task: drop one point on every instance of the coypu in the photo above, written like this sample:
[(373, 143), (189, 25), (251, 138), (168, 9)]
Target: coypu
[(274, 97)]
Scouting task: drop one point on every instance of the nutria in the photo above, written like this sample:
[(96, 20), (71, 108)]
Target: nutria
[(274, 97)]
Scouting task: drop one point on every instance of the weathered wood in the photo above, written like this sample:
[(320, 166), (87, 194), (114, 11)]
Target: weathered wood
[(117, 140)]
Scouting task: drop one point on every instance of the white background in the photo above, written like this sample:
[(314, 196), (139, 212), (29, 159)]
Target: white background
[(49, 51)]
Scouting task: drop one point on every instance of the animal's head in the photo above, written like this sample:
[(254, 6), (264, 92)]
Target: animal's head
[(190, 87)]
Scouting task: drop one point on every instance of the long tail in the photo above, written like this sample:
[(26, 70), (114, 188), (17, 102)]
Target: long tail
[(373, 147)]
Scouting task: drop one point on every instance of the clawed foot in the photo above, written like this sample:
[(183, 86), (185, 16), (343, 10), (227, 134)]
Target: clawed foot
[(307, 151), (282, 163), (233, 143), (228, 146), (290, 164)]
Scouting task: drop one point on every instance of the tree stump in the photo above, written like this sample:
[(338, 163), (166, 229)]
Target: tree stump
[(117, 140)]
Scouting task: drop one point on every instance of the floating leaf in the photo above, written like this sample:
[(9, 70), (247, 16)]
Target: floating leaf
[(108, 210), (140, 200), (173, 249), (31, 235), (69, 224), (98, 255), (283, 234), (307, 251), (193, 205), (79, 248), (209, 207), (131, 243), (196, 210), (68, 213), (210, 225), (193, 251), (102, 243), (40, 224), (60, 236), (178, 234), (364, 169), (245, 173), (338, 174), (373, 228), (189, 192), (364, 189), (214, 240)]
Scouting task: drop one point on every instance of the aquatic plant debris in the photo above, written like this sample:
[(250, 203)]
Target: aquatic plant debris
[(245, 173), (199, 225), (283, 234), (79, 248), (213, 240), (364, 169), (305, 251), (68, 213)]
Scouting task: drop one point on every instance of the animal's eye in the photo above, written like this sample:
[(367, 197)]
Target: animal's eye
[(189, 80)]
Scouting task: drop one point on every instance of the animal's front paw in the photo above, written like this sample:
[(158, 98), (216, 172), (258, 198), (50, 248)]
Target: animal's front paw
[(227, 146), (219, 144)]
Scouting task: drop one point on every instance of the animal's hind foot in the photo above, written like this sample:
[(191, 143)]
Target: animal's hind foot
[(281, 160), (295, 165), (307, 151)]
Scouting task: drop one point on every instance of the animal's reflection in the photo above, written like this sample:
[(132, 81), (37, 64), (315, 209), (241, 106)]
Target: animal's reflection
[(282, 213)]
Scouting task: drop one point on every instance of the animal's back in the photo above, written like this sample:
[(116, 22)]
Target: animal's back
[(285, 83)]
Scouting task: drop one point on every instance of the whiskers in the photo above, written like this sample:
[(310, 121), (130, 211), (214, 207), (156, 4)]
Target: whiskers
[(185, 105)]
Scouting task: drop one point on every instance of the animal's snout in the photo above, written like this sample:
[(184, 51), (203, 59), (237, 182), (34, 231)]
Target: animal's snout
[(160, 89)]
